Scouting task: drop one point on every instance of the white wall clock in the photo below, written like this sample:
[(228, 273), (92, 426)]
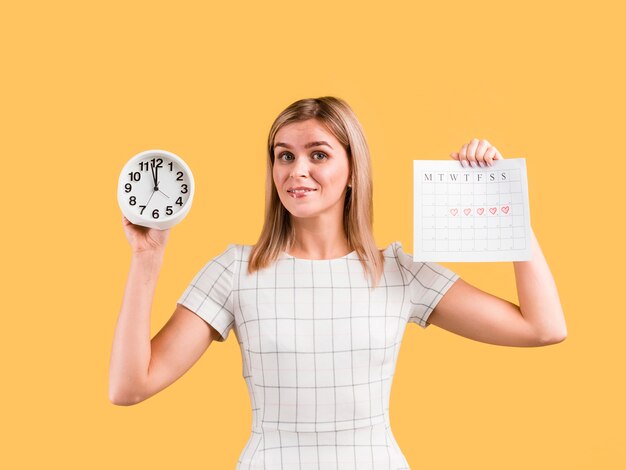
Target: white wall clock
[(155, 189)]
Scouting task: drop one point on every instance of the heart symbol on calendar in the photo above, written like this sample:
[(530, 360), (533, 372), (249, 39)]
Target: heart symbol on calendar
[(467, 211), (493, 210), (454, 211), (505, 209), (480, 210)]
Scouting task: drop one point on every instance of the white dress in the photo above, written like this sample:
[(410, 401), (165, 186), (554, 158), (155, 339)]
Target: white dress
[(319, 351)]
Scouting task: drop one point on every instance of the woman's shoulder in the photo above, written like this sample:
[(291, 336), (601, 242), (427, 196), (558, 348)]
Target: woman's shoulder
[(394, 250), (238, 251), (417, 269), (231, 253)]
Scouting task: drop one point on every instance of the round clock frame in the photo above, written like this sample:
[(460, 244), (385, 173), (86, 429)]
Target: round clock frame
[(146, 218)]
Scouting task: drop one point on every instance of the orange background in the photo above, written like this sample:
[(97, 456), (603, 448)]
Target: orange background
[(85, 86)]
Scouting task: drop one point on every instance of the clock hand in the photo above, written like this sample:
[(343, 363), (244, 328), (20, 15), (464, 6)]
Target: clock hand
[(164, 194), (148, 203), (154, 176), (156, 179)]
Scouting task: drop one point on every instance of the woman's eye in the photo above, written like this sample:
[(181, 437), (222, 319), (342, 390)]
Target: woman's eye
[(286, 156)]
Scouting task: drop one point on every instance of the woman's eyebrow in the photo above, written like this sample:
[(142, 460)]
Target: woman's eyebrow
[(306, 146)]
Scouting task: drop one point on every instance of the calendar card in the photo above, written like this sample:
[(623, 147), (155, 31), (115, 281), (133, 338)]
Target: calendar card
[(471, 214)]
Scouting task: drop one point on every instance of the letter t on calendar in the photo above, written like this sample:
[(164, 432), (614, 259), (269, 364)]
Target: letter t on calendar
[(471, 214)]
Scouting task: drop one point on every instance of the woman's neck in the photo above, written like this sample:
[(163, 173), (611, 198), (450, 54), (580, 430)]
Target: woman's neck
[(315, 241)]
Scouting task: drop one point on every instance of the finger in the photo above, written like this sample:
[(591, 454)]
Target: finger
[(462, 155), (482, 148), (498, 155), (455, 155), (489, 154), (471, 152)]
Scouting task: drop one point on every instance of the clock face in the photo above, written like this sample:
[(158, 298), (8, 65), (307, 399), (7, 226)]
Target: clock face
[(155, 186)]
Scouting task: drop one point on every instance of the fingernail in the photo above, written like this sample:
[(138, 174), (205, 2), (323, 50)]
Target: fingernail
[(481, 164), (472, 164), (464, 163)]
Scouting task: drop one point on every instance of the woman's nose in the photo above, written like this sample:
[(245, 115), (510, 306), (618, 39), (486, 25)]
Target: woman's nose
[(300, 168)]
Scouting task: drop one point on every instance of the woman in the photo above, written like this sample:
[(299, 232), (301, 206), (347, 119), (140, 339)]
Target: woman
[(318, 310)]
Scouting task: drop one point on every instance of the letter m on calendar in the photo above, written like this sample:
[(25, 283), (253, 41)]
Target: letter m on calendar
[(471, 214)]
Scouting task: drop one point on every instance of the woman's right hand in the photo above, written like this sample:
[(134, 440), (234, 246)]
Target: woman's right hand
[(144, 239)]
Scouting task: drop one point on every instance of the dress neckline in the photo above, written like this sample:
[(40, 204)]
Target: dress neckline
[(352, 254)]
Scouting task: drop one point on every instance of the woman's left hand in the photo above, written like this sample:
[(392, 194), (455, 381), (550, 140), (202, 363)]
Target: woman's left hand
[(477, 153)]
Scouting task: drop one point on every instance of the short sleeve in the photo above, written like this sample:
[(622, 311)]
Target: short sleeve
[(209, 295), (426, 283)]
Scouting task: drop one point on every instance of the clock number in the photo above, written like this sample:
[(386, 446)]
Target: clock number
[(143, 208), (134, 175), (132, 201), (184, 186), (179, 201), (168, 210), (180, 176), (155, 214), (141, 166), (171, 166), (157, 163), (128, 187)]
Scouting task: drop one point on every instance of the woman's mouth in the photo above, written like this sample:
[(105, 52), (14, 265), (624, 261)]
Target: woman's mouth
[(299, 192)]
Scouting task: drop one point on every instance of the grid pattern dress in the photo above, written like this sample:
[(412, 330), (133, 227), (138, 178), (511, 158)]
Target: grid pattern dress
[(319, 351)]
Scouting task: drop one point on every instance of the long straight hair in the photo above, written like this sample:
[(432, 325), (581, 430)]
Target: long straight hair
[(278, 233)]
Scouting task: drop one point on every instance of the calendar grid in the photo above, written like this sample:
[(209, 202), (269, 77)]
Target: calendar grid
[(471, 214)]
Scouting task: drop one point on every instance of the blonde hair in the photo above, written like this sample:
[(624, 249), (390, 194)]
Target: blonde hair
[(278, 233)]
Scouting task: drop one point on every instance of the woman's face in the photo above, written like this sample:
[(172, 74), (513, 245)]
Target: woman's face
[(311, 170)]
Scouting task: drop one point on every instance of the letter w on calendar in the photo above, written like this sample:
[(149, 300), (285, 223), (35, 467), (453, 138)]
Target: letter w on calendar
[(471, 214)]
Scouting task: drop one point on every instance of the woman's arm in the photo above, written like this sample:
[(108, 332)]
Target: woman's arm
[(475, 314), (140, 367), (131, 350), (537, 321)]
